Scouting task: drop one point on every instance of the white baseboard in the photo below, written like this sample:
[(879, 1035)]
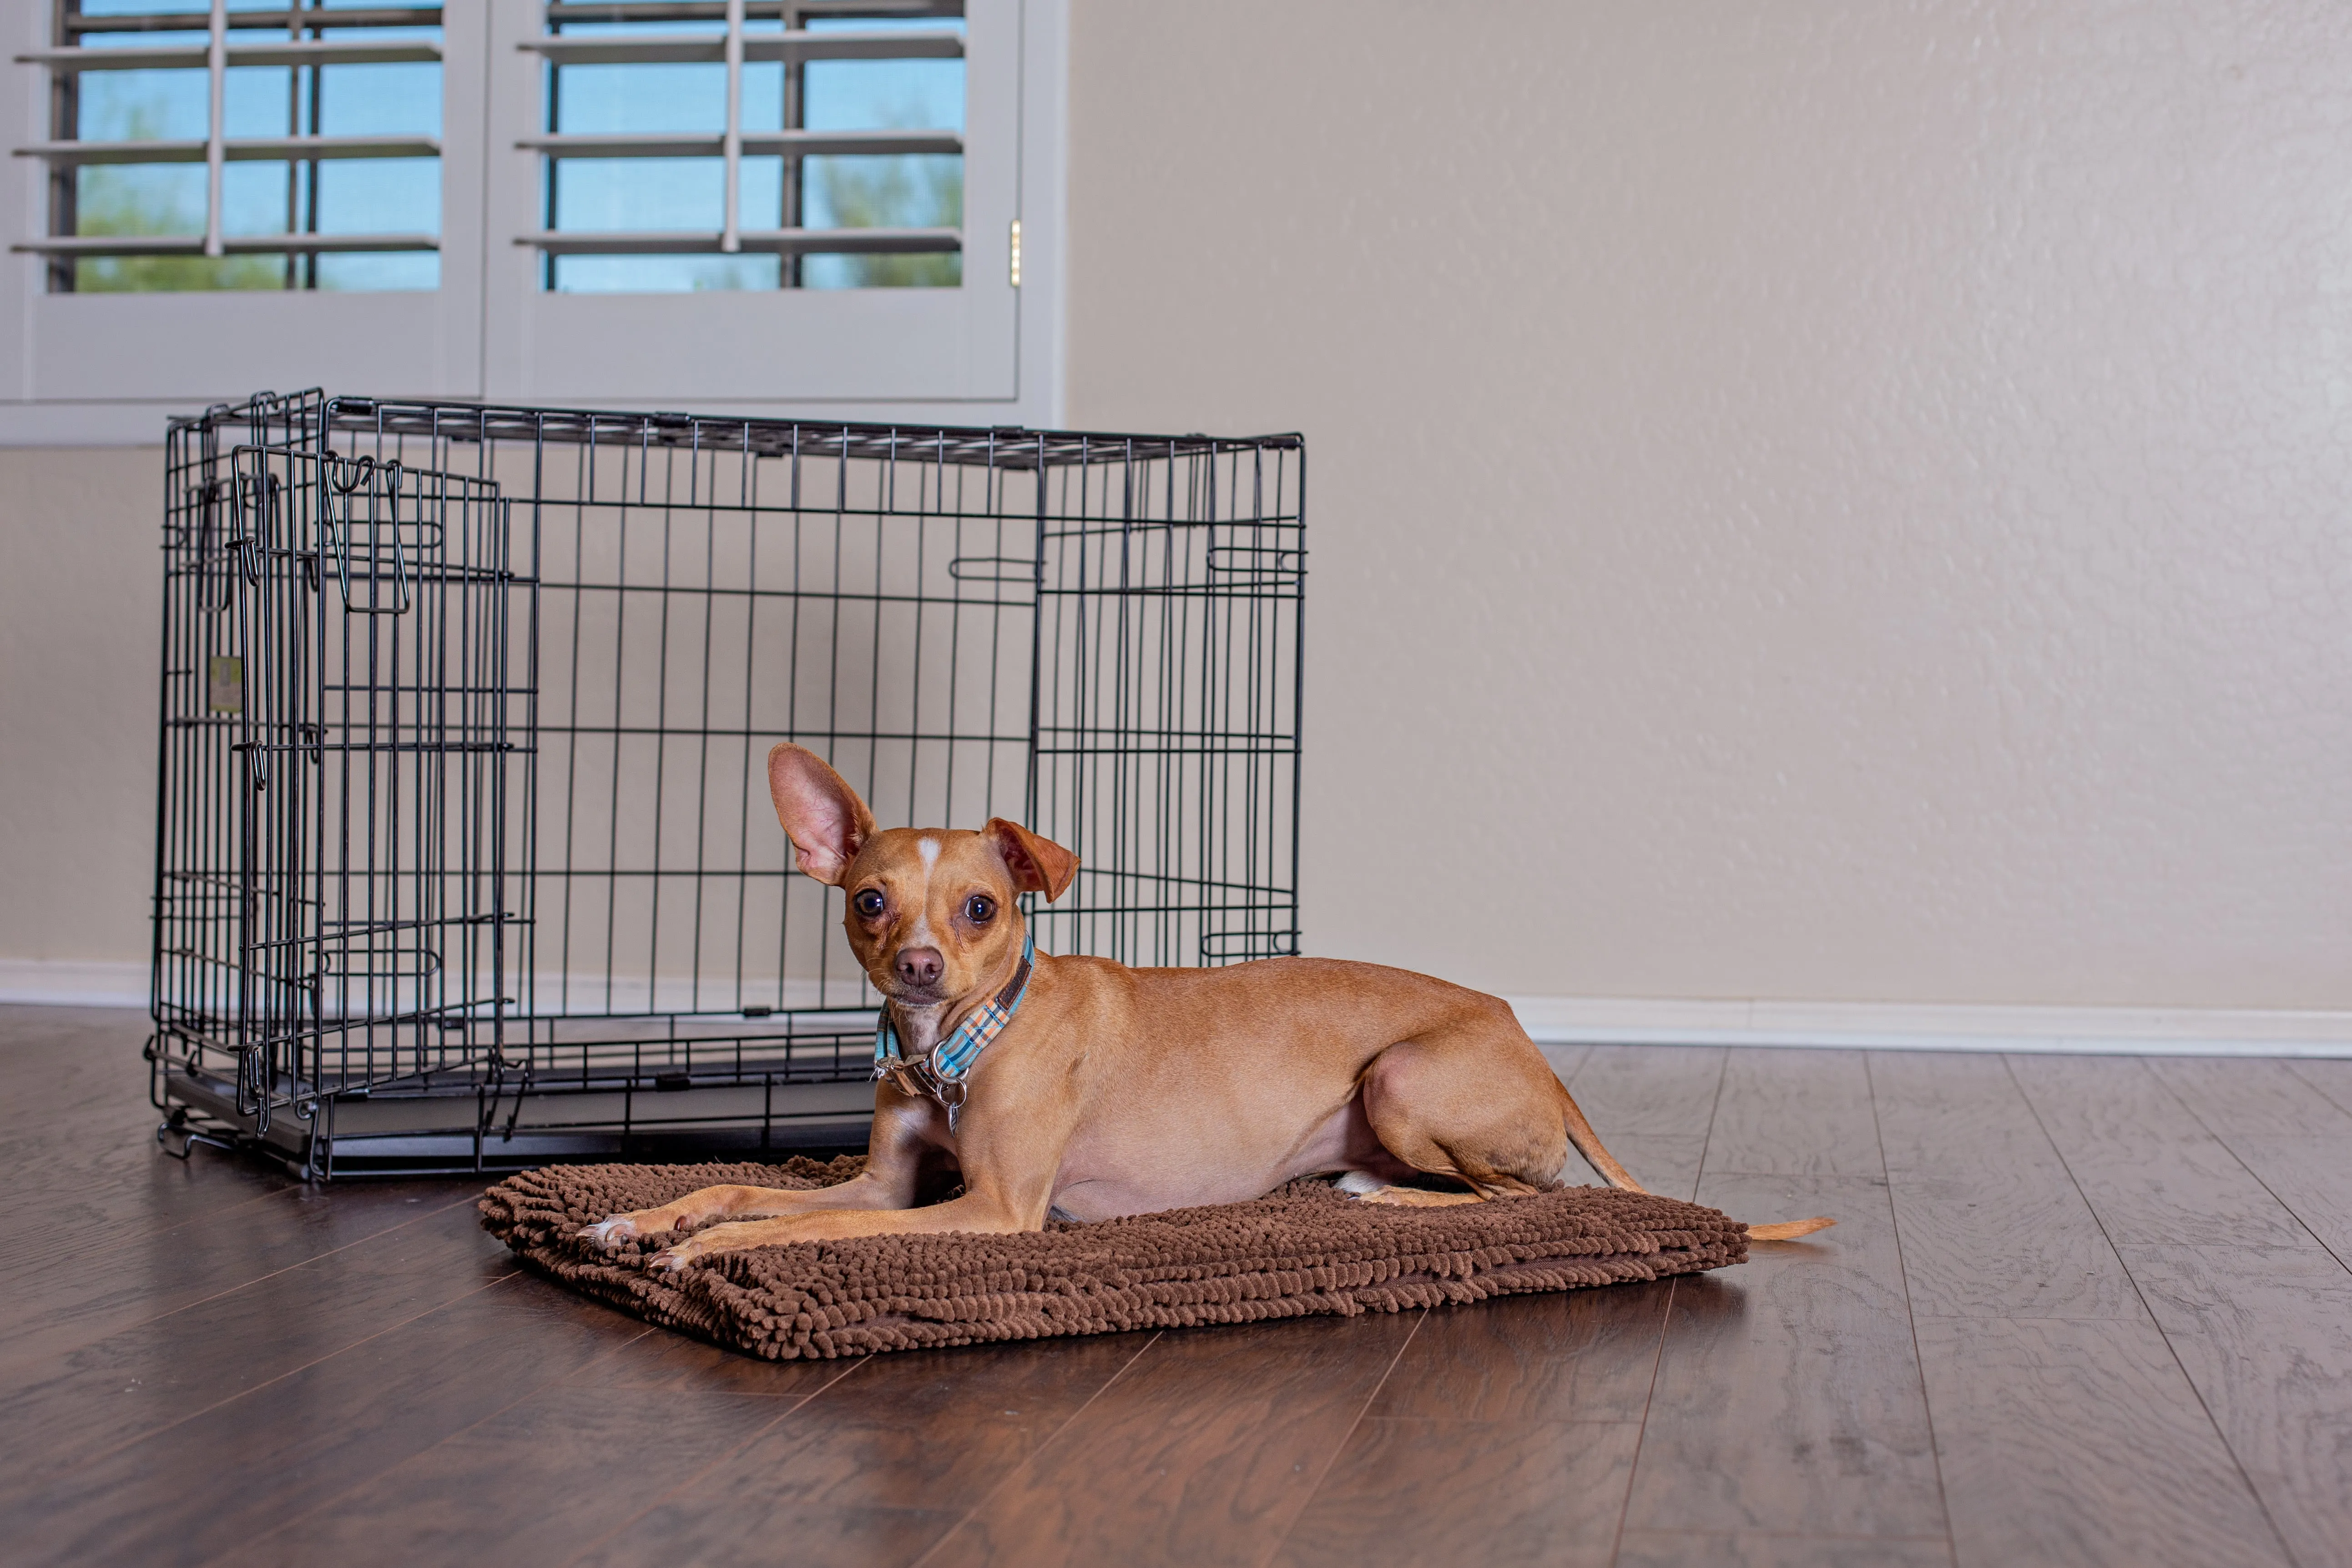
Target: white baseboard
[(1590, 1020), (1931, 1027)]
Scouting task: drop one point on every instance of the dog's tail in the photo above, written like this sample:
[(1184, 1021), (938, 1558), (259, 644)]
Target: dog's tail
[(1588, 1143), (1789, 1229)]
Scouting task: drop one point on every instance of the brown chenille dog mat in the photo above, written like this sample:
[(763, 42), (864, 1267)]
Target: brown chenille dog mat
[(1304, 1249)]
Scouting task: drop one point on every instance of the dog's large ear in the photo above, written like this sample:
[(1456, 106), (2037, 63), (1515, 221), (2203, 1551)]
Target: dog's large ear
[(1038, 865), (821, 814)]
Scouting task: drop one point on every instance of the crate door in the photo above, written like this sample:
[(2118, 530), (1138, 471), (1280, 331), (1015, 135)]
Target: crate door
[(1169, 585), (384, 908)]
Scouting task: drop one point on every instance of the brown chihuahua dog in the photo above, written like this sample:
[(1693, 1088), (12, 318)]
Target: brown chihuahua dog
[(1080, 1089)]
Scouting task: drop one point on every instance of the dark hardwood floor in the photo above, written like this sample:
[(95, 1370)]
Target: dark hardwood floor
[(2076, 1310)]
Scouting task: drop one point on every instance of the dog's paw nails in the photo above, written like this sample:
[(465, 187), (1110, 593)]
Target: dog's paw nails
[(670, 1260), (610, 1233)]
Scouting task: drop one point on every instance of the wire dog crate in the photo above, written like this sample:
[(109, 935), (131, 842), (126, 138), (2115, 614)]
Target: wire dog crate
[(463, 855)]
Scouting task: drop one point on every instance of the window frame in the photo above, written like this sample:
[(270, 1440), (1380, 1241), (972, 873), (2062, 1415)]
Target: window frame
[(108, 369)]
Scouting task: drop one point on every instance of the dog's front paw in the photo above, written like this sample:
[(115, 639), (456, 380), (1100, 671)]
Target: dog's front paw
[(673, 1259), (719, 1239), (610, 1233)]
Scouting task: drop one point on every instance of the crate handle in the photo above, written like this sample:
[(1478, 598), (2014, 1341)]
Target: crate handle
[(1258, 563), (258, 494), (335, 484), (993, 569), (215, 559)]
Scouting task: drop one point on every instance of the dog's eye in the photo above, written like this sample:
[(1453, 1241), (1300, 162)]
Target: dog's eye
[(869, 903), (980, 909)]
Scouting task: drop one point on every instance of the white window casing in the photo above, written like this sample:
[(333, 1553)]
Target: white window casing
[(107, 368)]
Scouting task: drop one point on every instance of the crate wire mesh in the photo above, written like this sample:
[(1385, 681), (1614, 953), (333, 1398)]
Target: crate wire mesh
[(465, 859)]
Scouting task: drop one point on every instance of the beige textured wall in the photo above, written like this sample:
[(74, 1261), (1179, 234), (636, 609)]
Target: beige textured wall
[(1817, 501), (79, 576)]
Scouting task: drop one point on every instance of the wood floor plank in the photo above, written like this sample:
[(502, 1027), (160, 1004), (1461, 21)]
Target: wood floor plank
[(119, 1188), (65, 1057), (80, 1147), (1795, 1113), (1696, 1549), (231, 1365), (77, 1072), (2331, 1077), (1587, 1355), (46, 1315), (1788, 1396), (1667, 1164), (1652, 1106), (2079, 1441), (1217, 1438), (1665, 1092), (140, 1381), (1565, 1059), (2294, 1140), (754, 1532), (2153, 1175), (1991, 1222), (1408, 1491), (669, 1360), (2312, 1176), (911, 1444), (573, 1464), (875, 1440), (2266, 1337), (2239, 1094), (209, 1485)]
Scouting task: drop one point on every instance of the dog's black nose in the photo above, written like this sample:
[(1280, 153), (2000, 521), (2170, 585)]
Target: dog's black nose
[(920, 965)]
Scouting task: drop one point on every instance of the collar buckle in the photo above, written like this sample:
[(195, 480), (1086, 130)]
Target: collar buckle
[(941, 1077)]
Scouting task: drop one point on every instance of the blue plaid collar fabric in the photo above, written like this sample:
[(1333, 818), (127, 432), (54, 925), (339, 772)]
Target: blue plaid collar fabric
[(952, 1060)]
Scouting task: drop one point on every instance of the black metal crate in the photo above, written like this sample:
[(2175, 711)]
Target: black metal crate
[(463, 854)]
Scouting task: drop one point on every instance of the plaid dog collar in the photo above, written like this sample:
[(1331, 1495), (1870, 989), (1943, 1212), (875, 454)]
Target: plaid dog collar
[(952, 1060)]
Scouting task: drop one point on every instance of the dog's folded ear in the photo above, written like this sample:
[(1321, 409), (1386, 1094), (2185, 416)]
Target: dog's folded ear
[(821, 814), (1038, 865)]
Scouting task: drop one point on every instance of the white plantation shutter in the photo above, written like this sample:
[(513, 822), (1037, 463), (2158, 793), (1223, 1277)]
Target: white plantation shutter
[(509, 320), (734, 48), (221, 53)]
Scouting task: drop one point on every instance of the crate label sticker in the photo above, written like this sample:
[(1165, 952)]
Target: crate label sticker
[(225, 684)]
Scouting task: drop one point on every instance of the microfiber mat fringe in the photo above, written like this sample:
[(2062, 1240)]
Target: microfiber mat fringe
[(1303, 1250)]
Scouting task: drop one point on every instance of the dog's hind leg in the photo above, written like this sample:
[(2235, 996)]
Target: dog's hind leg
[(1472, 1100), (1475, 1099)]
